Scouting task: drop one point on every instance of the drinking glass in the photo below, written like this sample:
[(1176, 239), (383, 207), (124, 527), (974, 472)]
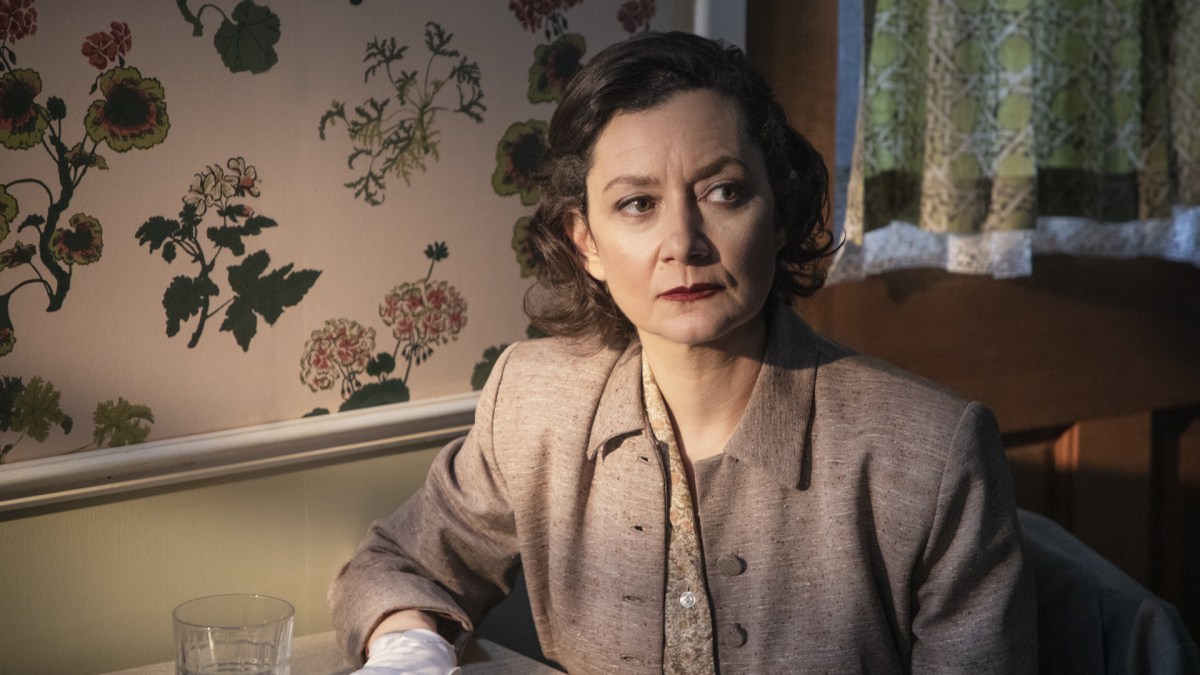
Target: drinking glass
[(238, 633)]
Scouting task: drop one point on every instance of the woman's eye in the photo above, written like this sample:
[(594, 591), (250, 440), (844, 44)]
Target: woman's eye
[(726, 193), (636, 205)]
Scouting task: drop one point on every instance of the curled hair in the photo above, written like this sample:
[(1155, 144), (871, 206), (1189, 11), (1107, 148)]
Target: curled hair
[(636, 75)]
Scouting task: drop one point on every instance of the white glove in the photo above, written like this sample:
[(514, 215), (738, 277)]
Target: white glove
[(413, 652)]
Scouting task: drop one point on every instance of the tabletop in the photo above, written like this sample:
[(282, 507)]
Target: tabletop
[(319, 655)]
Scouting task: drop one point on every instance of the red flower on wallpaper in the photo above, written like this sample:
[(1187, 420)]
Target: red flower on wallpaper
[(131, 114), (422, 314), (18, 19), (338, 351), (105, 48), (533, 13), (635, 14), (124, 39)]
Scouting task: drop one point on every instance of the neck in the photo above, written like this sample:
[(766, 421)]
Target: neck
[(707, 387)]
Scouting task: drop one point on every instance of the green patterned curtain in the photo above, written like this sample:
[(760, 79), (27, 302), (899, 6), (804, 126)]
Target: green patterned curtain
[(990, 130)]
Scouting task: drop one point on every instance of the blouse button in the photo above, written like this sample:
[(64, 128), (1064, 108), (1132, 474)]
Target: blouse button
[(731, 565), (688, 599)]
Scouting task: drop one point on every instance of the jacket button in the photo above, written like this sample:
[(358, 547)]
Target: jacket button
[(733, 635), (631, 660), (731, 565)]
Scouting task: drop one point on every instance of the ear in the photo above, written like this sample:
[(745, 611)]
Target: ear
[(581, 236)]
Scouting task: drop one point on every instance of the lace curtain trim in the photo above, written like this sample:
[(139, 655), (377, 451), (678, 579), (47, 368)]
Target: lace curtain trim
[(1006, 255)]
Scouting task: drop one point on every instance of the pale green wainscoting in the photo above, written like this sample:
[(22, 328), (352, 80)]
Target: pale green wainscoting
[(88, 586)]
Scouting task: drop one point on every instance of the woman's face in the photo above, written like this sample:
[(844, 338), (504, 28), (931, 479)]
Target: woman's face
[(681, 221)]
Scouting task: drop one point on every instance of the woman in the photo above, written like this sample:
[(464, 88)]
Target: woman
[(691, 479)]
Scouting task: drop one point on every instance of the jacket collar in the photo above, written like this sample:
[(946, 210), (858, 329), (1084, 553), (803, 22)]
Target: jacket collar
[(773, 433), (620, 412)]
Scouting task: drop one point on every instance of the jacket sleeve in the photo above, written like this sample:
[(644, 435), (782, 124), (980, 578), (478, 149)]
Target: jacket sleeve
[(451, 549), (973, 602)]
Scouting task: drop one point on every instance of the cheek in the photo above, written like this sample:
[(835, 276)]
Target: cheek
[(759, 254), (628, 270), (761, 230)]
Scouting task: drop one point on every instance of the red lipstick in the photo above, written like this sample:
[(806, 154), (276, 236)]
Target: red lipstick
[(691, 293)]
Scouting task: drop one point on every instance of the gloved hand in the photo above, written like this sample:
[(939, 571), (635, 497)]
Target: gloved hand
[(413, 652)]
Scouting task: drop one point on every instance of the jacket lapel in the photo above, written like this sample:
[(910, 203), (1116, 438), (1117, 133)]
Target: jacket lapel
[(773, 433), (620, 413)]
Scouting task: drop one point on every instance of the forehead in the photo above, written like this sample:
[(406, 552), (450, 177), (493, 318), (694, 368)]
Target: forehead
[(689, 126)]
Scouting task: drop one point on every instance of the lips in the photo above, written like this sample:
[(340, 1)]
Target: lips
[(691, 293)]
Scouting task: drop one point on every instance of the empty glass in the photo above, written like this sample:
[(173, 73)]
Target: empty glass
[(233, 634)]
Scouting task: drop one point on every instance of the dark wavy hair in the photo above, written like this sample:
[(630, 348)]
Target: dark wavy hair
[(636, 75)]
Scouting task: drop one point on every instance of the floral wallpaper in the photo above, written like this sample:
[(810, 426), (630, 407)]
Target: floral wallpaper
[(215, 215)]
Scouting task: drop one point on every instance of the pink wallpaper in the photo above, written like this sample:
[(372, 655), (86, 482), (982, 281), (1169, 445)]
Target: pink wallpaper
[(216, 215)]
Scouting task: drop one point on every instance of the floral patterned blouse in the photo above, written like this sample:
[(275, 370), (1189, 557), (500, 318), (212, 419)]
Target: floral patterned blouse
[(688, 644)]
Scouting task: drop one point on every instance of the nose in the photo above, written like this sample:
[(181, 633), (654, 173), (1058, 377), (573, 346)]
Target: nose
[(684, 240)]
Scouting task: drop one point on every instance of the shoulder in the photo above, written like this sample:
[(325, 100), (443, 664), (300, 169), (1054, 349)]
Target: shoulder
[(848, 384), (908, 433), (540, 406), (914, 444), (547, 365), (857, 404), (873, 394), (551, 378)]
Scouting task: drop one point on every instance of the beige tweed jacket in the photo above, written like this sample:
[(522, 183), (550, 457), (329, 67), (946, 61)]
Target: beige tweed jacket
[(860, 520)]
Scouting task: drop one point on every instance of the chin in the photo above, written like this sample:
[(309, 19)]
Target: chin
[(703, 331)]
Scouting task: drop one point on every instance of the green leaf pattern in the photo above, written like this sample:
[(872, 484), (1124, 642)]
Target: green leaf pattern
[(255, 292), (131, 114), (245, 39), (121, 423), (266, 296), (33, 409), (397, 140), (396, 134), (36, 409), (248, 42)]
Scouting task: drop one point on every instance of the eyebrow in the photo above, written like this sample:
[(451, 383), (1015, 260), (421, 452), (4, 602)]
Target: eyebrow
[(707, 171)]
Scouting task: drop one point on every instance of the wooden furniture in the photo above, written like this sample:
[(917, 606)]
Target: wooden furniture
[(1091, 365), (1093, 369)]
